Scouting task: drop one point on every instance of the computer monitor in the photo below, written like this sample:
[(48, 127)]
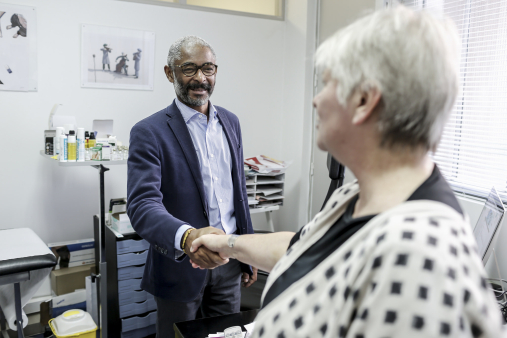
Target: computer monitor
[(488, 224)]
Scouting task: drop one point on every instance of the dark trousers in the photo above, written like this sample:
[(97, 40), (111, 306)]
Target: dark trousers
[(221, 295)]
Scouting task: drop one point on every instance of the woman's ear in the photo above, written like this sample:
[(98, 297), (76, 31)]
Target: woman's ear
[(368, 99)]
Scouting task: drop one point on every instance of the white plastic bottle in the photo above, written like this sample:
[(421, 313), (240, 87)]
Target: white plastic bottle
[(80, 145), (59, 134), (71, 147), (63, 148)]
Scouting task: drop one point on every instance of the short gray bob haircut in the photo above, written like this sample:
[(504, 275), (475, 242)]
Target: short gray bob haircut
[(412, 58), (186, 41)]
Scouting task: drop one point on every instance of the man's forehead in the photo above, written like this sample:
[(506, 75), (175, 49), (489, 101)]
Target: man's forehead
[(196, 54)]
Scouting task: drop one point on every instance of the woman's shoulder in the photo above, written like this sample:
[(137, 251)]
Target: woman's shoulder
[(424, 226)]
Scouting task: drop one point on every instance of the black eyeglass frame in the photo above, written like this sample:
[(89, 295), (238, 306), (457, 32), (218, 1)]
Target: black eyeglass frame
[(197, 68)]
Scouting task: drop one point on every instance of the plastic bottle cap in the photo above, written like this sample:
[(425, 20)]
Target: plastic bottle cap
[(92, 135), (72, 132)]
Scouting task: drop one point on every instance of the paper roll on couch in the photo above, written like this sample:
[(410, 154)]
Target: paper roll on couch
[(25, 260)]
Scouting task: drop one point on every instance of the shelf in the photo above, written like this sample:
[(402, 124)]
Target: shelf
[(265, 209), (268, 181), (82, 164)]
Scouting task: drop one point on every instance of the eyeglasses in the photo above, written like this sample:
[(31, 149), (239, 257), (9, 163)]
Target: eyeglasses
[(190, 69)]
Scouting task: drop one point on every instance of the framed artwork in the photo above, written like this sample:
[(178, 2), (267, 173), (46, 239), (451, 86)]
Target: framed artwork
[(18, 48), (117, 58)]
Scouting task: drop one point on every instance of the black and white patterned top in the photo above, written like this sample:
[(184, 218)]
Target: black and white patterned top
[(412, 271)]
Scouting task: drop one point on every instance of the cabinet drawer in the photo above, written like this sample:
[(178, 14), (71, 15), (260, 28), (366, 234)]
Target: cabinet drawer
[(130, 272), (137, 308), (130, 259), (135, 323), (140, 333), (129, 285), (131, 245), (133, 297)]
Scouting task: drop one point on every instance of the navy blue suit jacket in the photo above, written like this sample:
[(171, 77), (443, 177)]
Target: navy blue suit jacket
[(165, 190)]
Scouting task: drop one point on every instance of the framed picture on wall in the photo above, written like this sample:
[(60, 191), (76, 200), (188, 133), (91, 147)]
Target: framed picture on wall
[(18, 48), (117, 58)]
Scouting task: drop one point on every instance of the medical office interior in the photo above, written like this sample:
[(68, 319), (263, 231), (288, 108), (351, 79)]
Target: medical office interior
[(266, 76)]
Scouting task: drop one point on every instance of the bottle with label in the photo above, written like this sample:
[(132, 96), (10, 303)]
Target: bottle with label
[(80, 145), (63, 148), (87, 139), (112, 141), (91, 141), (71, 147), (59, 134)]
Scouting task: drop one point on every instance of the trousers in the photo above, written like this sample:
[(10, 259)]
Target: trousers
[(220, 295)]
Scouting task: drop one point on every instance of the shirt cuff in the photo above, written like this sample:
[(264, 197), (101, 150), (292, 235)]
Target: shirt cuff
[(177, 239)]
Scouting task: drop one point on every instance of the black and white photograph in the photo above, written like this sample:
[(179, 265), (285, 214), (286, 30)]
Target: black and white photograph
[(118, 58), (18, 53)]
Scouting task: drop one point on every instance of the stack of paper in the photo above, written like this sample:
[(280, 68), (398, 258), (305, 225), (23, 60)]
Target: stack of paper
[(267, 165), (267, 190), (252, 200), (269, 198)]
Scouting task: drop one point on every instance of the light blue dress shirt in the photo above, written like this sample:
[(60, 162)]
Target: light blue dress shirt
[(215, 163)]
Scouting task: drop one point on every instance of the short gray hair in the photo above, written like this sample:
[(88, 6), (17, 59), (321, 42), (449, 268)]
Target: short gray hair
[(412, 58), (186, 41)]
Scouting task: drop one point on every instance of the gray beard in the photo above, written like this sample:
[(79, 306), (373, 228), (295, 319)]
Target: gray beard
[(182, 93)]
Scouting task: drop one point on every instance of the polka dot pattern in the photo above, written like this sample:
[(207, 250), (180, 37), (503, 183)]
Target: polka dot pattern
[(412, 271)]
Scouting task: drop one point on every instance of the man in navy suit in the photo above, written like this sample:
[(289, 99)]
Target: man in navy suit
[(186, 179)]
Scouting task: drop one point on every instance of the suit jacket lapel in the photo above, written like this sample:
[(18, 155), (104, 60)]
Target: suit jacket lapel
[(180, 130)]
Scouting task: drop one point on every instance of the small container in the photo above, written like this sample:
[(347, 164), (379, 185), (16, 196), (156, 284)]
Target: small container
[(87, 138), (88, 154), (91, 141), (59, 133), (96, 154), (73, 323), (125, 153), (71, 147), (80, 145), (63, 148), (106, 152), (120, 153)]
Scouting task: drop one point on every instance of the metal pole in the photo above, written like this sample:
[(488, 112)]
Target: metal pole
[(17, 303), (102, 246)]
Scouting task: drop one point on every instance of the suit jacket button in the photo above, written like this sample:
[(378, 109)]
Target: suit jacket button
[(241, 200)]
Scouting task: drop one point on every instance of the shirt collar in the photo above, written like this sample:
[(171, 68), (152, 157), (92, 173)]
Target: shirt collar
[(188, 112)]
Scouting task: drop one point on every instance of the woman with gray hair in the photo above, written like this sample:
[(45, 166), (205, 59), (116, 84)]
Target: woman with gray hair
[(391, 254)]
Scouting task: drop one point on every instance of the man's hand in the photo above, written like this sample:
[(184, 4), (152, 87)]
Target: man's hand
[(203, 257), (213, 243), (249, 280)]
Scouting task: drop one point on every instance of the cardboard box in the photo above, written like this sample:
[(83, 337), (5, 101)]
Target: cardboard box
[(121, 223), (68, 280), (73, 253)]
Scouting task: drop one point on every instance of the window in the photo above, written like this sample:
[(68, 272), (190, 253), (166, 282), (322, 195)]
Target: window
[(473, 152), (271, 9)]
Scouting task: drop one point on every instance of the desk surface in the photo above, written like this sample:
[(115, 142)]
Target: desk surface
[(201, 328)]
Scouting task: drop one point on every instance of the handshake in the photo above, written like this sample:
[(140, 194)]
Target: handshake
[(207, 248)]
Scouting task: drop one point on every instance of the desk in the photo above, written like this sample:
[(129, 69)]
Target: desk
[(201, 328)]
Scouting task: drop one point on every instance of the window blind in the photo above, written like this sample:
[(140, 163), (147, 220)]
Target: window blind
[(472, 154)]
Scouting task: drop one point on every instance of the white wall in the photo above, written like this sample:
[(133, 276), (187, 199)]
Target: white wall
[(259, 79), (335, 14)]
